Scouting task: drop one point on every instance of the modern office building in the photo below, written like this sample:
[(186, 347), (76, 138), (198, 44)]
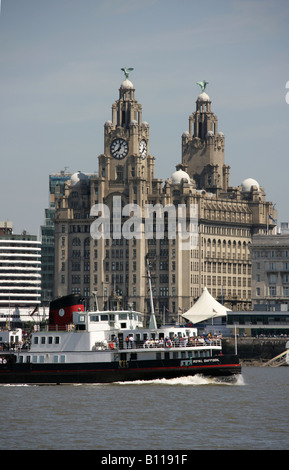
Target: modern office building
[(56, 186), (114, 265), (20, 275)]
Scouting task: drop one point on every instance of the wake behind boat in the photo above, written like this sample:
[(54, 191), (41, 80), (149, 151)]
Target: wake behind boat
[(110, 346)]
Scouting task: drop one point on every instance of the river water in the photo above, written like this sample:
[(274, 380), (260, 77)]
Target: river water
[(193, 413)]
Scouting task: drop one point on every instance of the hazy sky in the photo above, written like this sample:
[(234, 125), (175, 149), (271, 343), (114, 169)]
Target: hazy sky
[(60, 64)]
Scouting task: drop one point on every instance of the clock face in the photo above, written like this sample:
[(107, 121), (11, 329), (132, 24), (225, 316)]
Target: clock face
[(119, 148), (143, 148)]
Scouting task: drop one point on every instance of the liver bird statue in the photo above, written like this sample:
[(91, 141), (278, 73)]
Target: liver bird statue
[(202, 84), (126, 71)]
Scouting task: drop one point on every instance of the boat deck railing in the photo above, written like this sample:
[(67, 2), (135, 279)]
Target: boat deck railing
[(178, 343), (150, 344)]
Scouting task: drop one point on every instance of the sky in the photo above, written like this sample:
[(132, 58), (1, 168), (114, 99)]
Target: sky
[(60, 73)]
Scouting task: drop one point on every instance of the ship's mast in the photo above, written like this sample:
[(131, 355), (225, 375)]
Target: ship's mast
[(153, 323)]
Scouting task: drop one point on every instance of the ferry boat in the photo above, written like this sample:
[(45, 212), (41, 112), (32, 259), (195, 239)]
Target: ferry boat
[(79, 346)]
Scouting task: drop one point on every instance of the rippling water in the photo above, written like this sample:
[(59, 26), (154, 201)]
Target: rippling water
[(180, 414)]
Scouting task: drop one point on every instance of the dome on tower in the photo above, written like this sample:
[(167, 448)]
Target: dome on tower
[(180, 175), (203, 97), (126, 84), (77, 178), (248, 184), (210, 133)]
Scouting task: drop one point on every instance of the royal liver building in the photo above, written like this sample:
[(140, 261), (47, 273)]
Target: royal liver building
[(110, 225)]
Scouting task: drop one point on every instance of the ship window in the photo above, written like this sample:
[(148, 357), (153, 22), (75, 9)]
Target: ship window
[(57, 340), (36, 340), (104, 317), (62, 358), (49, 339), (43, 339), (94, 317), (55, 359), (28, 359), (41, 359), (34, 358), (21, 359), (122, 316)]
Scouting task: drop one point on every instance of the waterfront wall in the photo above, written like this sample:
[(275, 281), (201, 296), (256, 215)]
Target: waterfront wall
[(258, 349)]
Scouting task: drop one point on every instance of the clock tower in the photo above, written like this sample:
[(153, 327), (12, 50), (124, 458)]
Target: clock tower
[(126, 176), (126, 141), (203, 148)]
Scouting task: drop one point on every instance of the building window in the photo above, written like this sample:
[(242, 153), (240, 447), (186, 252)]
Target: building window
[(75, 253), (286, 291), (86, 292), (75, 266), (272, 291), (75, 290), (119, 173), (76, 279)]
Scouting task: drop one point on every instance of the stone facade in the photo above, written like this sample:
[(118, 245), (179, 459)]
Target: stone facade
[(270, 268), (115, 267)]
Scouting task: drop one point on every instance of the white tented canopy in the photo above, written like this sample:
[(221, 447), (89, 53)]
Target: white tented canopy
[(206, 307)]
